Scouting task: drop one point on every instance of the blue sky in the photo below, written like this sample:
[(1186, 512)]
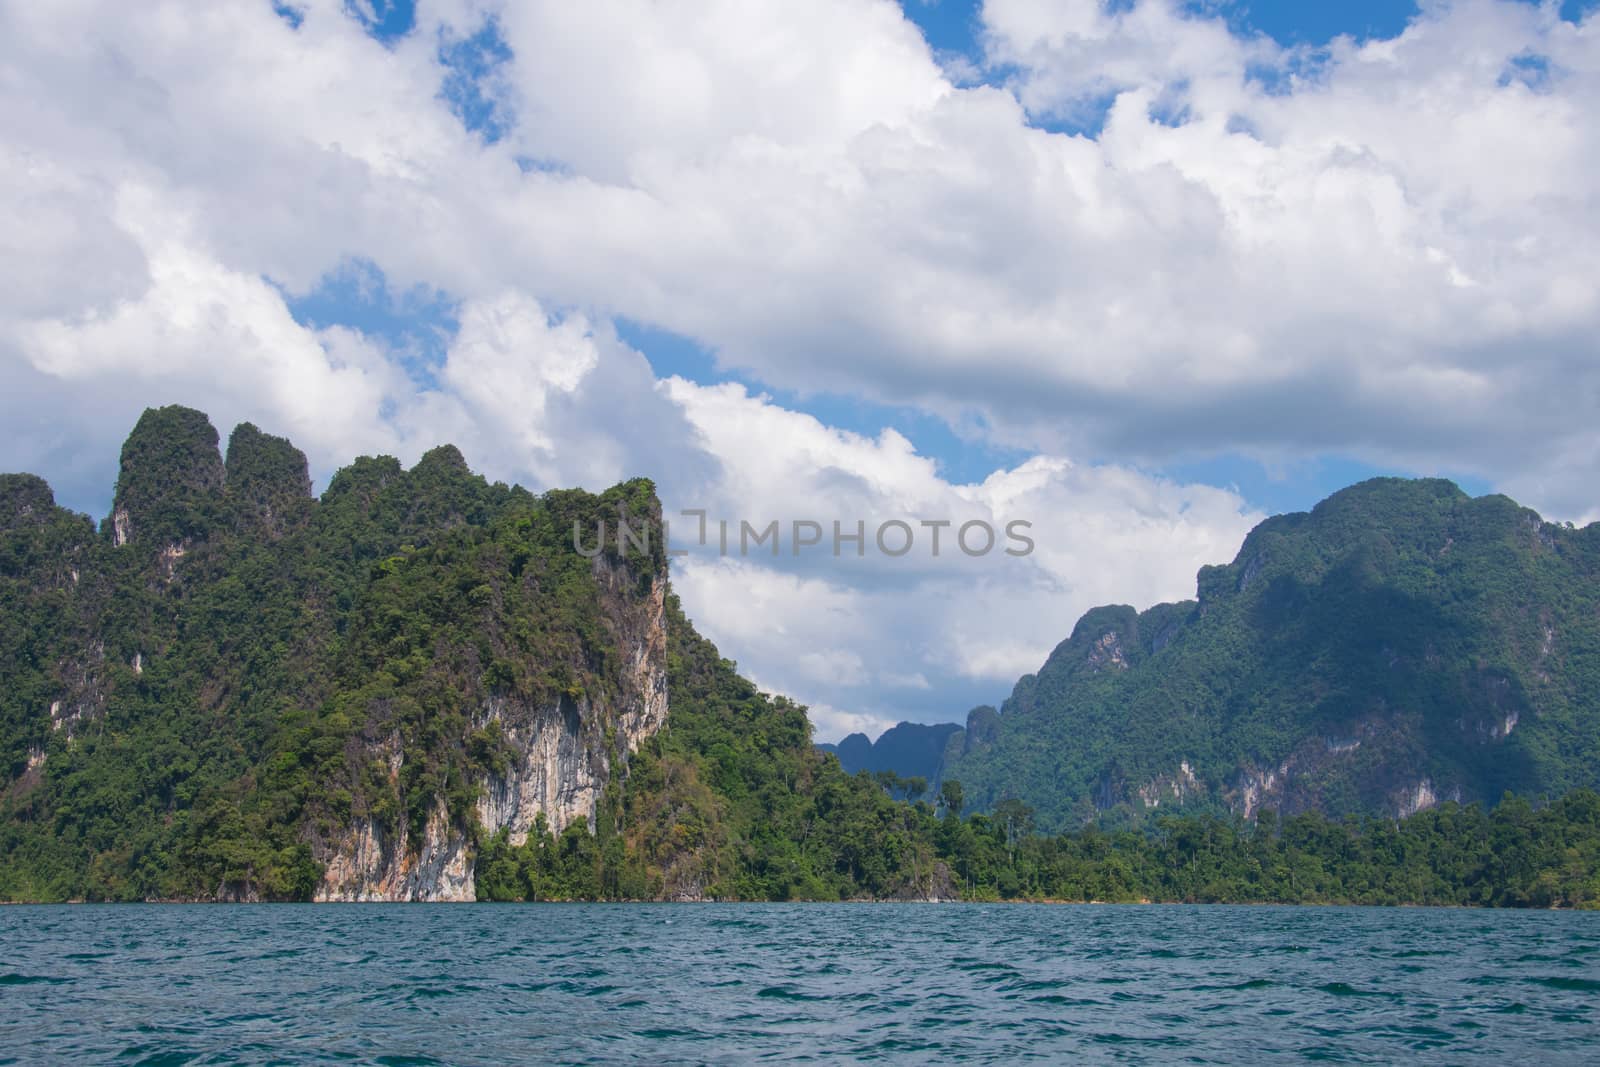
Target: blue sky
[(420, 323), (950, 25)]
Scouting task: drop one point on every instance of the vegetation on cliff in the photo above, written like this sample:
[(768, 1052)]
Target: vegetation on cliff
[(1400, 644), (729, 801), (204, 696), (196, 702)]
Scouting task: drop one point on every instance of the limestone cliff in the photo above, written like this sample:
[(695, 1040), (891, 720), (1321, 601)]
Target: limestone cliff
[(339, 698), (556, 759), (373, 866), (564, 751)]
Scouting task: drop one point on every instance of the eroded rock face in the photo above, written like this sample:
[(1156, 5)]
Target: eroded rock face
[(373, 866), (1176, 788), (1422, 795), (86, 689), (1377, 756), (1255, 786), (1107, 653), (564, 757), (556, 771), (560, 756)]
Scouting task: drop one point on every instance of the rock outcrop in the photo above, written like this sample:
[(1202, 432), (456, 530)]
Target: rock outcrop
[(555, 754), (564, 753), (372, 866), (169, 481), (269, 481)]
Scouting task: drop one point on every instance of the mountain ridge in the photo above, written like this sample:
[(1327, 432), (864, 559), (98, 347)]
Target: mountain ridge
[(416, 687), (911, 750), (1431, 643), (1369, 582), (413, 687)]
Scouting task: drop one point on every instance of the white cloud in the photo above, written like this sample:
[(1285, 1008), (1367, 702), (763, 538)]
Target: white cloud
[(196, 318), (892, 637), (833, 724), (1390, 252), (627, 93), (1070, 54)]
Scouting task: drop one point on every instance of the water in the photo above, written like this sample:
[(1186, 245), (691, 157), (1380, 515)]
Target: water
[(417, 984)]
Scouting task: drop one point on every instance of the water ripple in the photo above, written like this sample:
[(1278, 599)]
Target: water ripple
[(424, 984)]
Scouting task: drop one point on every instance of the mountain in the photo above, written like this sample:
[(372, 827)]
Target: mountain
[(1400, 645), (414, 687), (417, 687), (909, 749)]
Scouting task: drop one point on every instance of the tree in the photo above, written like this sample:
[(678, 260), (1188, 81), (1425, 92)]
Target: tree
[(950, 798), (1017, 818)]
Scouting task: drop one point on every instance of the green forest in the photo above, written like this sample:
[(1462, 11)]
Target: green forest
[(733, 783), (1400, 639), (205, 694)]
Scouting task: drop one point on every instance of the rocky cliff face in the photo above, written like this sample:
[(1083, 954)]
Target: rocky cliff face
[(566, 752), (371, 866), (557, 758), (369, 863)]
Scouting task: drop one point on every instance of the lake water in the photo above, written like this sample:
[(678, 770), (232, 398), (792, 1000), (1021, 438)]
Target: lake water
[(417, 984)]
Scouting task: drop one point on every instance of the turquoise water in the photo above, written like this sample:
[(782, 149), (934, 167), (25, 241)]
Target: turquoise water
[(783, 983)]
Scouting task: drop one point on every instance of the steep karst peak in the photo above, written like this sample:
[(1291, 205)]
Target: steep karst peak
[(170, 472)]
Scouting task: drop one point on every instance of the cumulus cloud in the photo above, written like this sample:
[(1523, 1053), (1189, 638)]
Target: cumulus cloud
[(1385, 249), (1070, 55), (870, 629)]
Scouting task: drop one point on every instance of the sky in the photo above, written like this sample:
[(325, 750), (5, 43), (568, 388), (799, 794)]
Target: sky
[(1136, 274)]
